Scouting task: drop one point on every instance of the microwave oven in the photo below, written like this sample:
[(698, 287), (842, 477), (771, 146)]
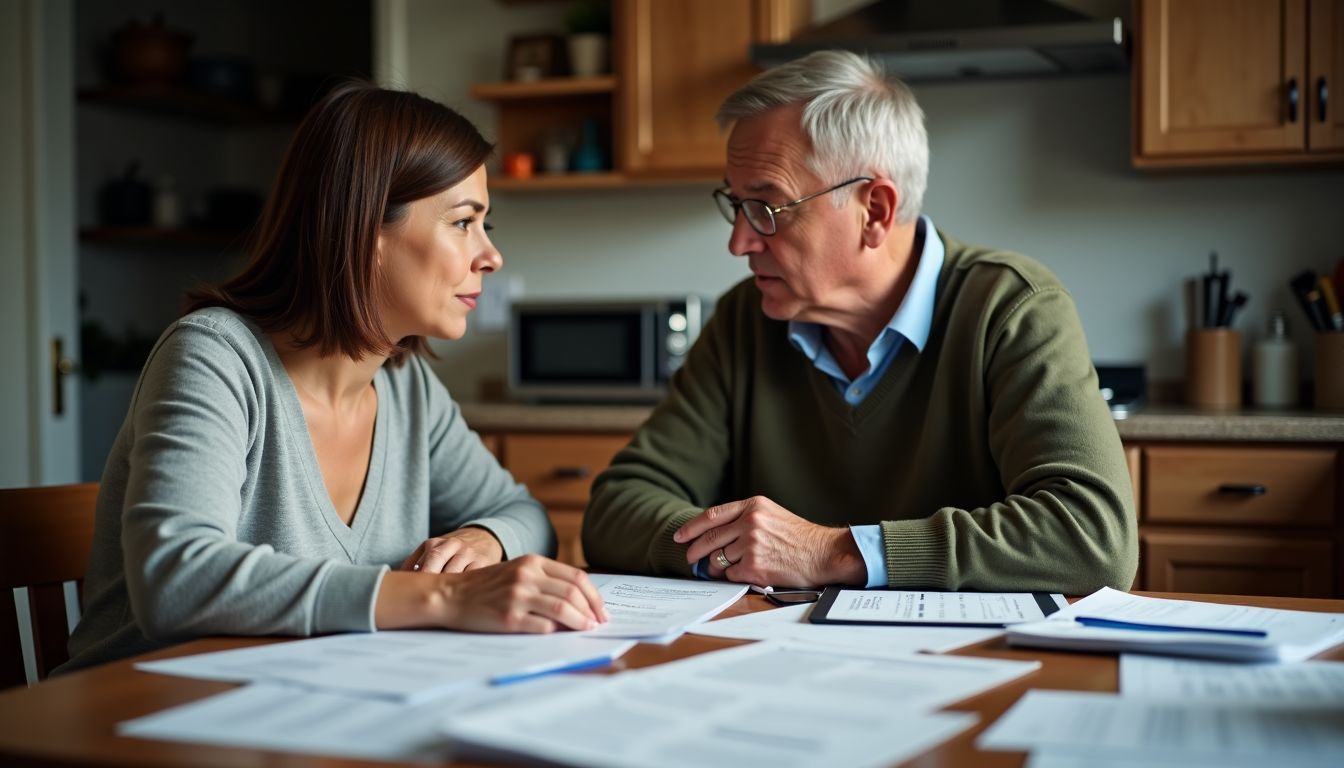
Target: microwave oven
[(600, 350)]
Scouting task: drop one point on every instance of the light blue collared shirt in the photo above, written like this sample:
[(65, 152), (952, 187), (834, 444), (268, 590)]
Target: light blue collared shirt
[(912, 321)]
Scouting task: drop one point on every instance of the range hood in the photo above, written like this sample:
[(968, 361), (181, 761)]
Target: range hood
[(923, 40)]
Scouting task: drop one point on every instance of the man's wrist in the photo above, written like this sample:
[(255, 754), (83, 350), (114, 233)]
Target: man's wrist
[(844, 563)]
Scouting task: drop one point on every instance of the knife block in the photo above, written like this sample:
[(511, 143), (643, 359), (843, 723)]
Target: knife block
[(1213, 368)]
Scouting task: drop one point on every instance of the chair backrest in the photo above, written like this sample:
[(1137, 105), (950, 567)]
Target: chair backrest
[(45, 537)]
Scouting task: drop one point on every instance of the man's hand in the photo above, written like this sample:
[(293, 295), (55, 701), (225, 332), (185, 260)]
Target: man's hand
[(461, 550), (767, 544)]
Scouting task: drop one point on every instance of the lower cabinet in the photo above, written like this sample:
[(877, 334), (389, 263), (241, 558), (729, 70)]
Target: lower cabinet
[(558, 469), (1246, 519)]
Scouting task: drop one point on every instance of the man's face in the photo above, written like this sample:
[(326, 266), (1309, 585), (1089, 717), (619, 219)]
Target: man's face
[(810, 269)]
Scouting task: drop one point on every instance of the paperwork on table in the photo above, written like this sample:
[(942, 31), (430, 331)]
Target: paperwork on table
[(1093, 760), (1304, 684), (766, 704), (1213, 630), (930, 607), (790, 623), (657, 609), (286, 719), (408, 666), (1101, 724)]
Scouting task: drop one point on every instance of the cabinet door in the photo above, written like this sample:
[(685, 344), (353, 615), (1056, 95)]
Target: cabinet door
[(558, 469), (1325, 116), (1215, 75), (1237, 564), (676, 62)]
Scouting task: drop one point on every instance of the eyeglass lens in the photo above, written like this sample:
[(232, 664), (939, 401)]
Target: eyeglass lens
[(757, 213)]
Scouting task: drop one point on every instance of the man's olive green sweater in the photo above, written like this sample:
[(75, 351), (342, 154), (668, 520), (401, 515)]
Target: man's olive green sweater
[(988, 458)]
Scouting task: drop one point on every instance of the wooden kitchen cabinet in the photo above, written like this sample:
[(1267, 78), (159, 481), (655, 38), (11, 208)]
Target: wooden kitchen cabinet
[(558, 469), (1240, 518), (673, 63), (1228, 82)]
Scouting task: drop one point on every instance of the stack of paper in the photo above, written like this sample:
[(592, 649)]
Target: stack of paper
[(657, 610), (767, 704), (791, 624), (1109, 620), (1185, 712)]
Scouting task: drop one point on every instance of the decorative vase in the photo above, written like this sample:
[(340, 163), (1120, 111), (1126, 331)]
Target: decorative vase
[(588, 54)]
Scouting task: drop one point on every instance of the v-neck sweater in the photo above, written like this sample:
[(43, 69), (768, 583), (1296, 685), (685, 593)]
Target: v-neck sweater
[(213, 517), (988, 458)]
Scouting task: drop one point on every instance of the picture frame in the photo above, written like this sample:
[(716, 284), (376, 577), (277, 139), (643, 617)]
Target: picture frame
[(534, 57)]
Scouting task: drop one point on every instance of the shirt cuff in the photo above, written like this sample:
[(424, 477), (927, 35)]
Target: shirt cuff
[(869, 539), (700, 568)]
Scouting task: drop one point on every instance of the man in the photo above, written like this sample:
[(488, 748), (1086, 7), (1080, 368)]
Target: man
[(879, 405)]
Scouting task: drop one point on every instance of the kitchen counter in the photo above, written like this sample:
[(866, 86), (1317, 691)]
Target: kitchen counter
[(1153, 423)]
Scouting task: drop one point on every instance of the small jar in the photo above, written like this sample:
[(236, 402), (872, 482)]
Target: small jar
[(1274, 366)]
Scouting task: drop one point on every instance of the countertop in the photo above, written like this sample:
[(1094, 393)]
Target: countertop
[(1151, 423)]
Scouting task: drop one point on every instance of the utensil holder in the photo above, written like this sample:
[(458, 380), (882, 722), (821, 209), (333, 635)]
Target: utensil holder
[(1213, 368), (1330, 371)]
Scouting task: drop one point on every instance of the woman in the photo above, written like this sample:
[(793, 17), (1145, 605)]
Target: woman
[(285, 443)]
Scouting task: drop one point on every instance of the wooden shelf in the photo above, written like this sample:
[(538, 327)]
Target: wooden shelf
[(558, 87), (181, 102), (156, 236), (551, 182)]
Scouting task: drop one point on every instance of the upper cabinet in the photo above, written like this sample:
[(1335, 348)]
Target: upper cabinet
[(677, 62), (1230, 82), (673, 64)]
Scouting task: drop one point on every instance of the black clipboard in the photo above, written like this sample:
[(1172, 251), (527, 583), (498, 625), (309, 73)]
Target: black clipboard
[(820, 611)]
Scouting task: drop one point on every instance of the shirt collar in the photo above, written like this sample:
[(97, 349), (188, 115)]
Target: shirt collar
[(913, 318)]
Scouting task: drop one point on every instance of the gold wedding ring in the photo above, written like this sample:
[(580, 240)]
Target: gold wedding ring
[(721, 559)]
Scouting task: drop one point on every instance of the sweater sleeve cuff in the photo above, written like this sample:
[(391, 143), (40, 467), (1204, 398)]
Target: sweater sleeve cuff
[(345, 601), (668, 556), (917, 553)]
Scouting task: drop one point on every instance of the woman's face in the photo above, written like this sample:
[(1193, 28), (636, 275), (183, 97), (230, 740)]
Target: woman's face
[(434, 259)]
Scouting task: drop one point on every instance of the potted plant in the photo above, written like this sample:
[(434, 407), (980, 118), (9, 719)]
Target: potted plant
[(589, 25)]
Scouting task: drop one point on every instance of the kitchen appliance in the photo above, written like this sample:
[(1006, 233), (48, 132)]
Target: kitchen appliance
[(925, 40), (1123, 387), (601, 350)]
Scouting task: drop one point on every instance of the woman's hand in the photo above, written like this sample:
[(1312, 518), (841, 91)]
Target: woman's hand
[(527, 594), (461, 550)]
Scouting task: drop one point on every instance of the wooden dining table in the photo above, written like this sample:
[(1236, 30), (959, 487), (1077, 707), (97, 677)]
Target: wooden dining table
[(72, 719)]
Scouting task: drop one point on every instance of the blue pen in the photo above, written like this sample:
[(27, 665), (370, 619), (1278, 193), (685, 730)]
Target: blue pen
[(518, 677), (1094, 621)]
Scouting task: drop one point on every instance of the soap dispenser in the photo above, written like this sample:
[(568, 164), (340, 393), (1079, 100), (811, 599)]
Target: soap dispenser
[(1274, 364)]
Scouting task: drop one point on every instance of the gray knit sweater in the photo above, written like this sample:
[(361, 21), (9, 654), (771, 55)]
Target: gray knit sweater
[(213, 518)]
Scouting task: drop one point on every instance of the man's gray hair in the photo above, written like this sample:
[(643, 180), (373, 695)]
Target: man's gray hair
[(860, 121)]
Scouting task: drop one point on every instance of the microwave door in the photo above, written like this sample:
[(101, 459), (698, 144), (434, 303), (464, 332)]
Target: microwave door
[(581, 355)]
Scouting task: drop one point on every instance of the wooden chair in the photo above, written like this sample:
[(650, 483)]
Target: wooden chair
[(45, 537)]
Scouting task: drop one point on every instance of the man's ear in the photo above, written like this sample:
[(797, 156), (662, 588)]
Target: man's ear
[(879, 198)]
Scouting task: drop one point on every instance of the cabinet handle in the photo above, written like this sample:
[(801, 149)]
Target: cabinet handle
[(1234, 489), (1322, 96), (1292, 100), (571, 473)]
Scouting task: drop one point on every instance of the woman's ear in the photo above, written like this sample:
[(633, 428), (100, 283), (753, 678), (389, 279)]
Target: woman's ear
[(880, 200)]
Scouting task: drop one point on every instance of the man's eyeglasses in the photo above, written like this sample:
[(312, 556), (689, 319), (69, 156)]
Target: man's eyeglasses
[(760, 214), (786, 597)]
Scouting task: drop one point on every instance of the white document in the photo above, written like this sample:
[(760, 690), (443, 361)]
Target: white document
[(767, 704), (288, 719), (1292, 635), (928, 607), (1103, 724), (790, 623), (406, 666), (1305, 684), (648, 607), (1150, 760)]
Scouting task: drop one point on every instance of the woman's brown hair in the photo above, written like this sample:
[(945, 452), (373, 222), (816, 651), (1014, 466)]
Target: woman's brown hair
[(359, 158)]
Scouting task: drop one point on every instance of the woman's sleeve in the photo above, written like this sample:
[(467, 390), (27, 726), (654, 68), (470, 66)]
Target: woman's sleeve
[(468, 487), (195, 420)]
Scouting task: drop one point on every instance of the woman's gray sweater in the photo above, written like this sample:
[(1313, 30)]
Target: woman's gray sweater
[(213, 518)]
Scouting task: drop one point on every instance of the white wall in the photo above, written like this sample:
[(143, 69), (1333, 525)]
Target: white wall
[(1036, 166)]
